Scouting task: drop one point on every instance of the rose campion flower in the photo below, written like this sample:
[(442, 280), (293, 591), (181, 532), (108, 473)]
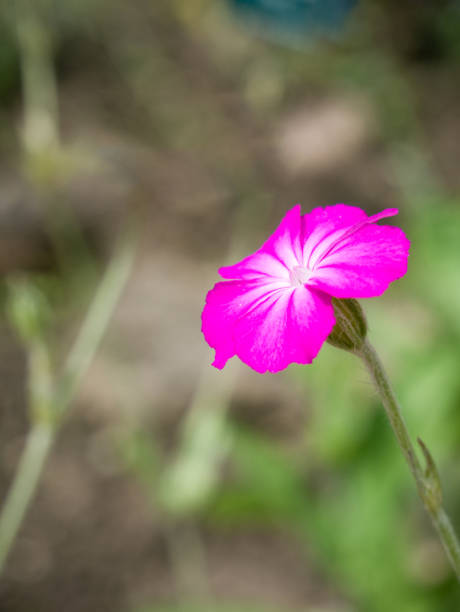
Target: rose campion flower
[(276, 308)]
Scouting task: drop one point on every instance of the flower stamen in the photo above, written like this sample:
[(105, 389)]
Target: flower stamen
[(299, 276)]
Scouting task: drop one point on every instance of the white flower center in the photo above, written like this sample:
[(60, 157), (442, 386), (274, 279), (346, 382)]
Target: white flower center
[(299, 276)]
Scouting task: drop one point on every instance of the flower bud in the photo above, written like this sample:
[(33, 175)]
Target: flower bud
[(350, 329)]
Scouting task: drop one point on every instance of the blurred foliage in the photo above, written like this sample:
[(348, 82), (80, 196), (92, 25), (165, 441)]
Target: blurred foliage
[(27, 310), (239, 607)]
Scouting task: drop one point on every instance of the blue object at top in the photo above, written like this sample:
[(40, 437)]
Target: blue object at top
[(295, 16)]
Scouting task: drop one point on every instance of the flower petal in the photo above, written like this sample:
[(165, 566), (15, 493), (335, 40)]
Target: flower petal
[(268, 325), (363, 263), (225, 304), (288, 327), (324, 227), (280, 253)]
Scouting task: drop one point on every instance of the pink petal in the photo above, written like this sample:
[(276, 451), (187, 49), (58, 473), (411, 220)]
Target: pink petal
[(324, 227), (363, 262), (281, 252), (268, 325), (290, 327), (227, 302)]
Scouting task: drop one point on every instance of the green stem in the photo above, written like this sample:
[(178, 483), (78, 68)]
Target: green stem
[(427, 482)]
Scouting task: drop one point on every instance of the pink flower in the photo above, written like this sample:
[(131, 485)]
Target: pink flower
[(277, 309)]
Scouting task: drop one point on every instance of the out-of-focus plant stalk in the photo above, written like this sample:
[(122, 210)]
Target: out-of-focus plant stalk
[(49, 402), (37, 446), (47, 163), (40, 100), (427, 481), (187, 556), (97, 318)]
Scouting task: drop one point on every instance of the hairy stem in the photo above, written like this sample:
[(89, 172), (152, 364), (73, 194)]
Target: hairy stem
[(428, 484)]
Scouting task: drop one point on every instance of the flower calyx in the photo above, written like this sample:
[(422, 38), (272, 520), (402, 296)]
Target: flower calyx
[(350, 329)]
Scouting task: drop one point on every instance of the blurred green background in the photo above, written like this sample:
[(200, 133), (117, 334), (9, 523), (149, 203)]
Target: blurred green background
[(174, 487)]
